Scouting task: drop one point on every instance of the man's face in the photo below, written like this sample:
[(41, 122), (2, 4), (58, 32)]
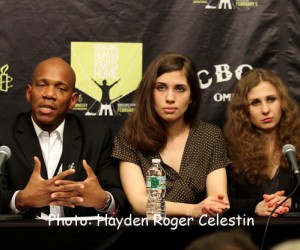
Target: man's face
[(51, 93)]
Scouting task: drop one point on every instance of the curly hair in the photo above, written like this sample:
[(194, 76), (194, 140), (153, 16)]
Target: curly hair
[(144, 129), (245, 145)]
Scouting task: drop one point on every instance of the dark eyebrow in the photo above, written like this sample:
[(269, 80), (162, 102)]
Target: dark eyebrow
[(254, 99), (47, 81)]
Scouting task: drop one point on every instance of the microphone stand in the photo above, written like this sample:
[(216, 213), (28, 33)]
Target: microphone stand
[(7, 217), (290, 195)]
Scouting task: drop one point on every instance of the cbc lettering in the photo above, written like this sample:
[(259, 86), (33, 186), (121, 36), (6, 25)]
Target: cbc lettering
[(222, 74)]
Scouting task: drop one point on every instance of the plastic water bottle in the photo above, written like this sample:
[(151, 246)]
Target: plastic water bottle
[(156, 191)]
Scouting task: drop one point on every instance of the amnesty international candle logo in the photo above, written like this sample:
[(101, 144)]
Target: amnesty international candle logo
[(5, 79), (106, 72)]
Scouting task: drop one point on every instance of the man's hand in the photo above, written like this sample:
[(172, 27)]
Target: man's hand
[(87, 193), (37, 192)]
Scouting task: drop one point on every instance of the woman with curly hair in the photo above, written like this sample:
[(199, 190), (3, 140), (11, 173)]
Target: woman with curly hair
[(261, 118), (165, 125)]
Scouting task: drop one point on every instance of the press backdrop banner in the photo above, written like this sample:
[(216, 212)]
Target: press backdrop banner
[(223, 37), (106, 73)]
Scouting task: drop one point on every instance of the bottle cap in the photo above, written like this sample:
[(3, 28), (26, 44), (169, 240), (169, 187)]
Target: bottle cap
[(155, 160)]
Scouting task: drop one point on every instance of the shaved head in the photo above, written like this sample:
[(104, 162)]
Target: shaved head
[(51, 93), (56, 63)]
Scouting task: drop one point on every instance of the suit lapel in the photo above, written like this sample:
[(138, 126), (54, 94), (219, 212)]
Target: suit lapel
[(72, 143), (29, 143)]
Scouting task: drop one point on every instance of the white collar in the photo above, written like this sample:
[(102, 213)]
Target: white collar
[(59, 130)]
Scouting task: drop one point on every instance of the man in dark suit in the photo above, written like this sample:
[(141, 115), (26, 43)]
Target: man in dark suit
[(60, 162)]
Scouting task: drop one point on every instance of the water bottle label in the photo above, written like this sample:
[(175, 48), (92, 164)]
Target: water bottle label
[(158, 182)]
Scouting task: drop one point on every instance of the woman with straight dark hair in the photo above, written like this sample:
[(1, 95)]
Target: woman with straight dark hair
[(165, 125)]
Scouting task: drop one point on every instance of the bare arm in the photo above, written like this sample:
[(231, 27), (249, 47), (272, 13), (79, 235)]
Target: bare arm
[(135, 189), (216, 186), (215, 203)]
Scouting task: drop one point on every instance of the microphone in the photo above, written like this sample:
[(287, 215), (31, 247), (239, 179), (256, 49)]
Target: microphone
[(290, 152), (5, 154)]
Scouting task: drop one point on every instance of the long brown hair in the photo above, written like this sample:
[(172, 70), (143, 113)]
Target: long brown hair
[(144, 129), (246, 148)]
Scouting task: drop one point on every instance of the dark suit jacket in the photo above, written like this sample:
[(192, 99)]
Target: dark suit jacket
[(84, 138), (244, 196)]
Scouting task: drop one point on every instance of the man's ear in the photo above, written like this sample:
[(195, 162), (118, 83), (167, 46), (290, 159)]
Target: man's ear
[(74, 100), (28, 92)]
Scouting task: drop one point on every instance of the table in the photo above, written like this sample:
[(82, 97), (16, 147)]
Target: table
[(35, 234)]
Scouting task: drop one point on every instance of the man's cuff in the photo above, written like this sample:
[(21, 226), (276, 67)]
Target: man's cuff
[(12, 205), (110, 207)]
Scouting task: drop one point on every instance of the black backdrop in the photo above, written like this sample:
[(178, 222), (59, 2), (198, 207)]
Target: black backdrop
[(223, 37)]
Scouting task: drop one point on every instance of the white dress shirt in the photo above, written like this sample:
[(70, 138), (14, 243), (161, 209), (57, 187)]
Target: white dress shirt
[(51, 145)]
